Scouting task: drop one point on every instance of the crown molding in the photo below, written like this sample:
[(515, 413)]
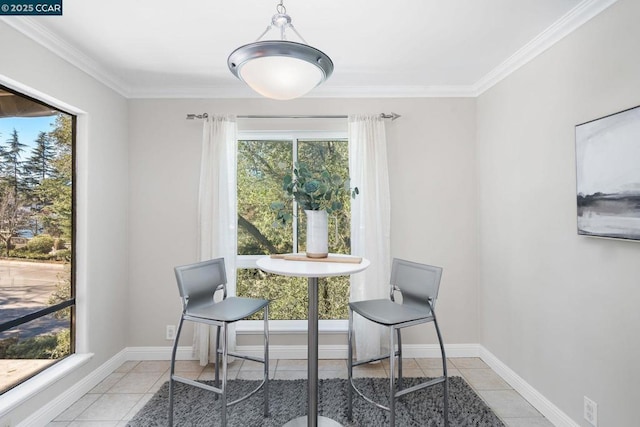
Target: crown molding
[(575, 18), (570, 22), (30, 28)]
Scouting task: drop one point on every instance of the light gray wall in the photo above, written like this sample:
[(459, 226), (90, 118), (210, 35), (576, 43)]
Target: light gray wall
[(102, 234), (433, 198), (559, 309)]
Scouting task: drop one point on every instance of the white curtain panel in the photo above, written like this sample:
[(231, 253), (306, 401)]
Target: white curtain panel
[(370, 224), (217, 214)]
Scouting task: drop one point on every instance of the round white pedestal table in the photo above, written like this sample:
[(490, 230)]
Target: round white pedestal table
[(312, 270)]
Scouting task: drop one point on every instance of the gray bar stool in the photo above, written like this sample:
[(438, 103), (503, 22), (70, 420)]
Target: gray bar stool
[(418, 285), (197, 284)]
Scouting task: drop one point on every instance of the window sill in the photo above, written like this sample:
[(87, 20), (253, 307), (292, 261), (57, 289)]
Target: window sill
[(44, 379), (291, 326)]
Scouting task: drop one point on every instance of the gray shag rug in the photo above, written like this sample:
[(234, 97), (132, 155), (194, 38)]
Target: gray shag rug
[(195, 407)]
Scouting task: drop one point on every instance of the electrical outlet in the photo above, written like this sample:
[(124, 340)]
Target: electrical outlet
[(171, 332), (591, 411)]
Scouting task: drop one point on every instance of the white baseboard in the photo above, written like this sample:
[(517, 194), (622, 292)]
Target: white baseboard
[(535, 398)]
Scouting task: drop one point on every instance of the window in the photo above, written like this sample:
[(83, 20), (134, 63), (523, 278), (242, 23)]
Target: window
[(36, 237), (262, 165)]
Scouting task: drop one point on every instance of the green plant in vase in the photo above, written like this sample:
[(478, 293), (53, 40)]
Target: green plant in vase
[(318, 193)]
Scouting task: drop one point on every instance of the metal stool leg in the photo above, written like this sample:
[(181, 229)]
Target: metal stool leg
[(392, 386), (444, 372), (400, 384), (173, 369), (223, 388), (217, 359), (266, 361), (350, 367)]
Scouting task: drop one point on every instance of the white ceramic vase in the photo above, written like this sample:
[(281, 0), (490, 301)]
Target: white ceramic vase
[(317, 234)]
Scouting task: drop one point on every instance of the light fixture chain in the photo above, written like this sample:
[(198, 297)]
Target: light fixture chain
[(264, 32), (281, 9), (297, 33)]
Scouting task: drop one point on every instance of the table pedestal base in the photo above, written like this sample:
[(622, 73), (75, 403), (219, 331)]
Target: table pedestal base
[(311, 270), (322, 422)]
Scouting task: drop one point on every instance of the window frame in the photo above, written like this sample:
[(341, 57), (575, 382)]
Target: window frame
[(249, 261), (73, 357)]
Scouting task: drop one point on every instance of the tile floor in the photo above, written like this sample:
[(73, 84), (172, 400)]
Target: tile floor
[(119, 397)]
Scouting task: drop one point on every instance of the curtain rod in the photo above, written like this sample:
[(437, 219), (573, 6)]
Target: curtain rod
[(391, 116)]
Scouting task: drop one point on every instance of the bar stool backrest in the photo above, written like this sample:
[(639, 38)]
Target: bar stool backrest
[(199, 282), (418, 283)]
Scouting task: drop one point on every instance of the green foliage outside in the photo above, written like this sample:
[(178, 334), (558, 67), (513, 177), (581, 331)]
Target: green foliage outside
[(262, 168), (58, 256), (49, 346), (25, 253), (289, 295), (42, 243)]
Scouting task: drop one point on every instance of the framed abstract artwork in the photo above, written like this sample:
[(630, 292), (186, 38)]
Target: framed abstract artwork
[(608, 176)]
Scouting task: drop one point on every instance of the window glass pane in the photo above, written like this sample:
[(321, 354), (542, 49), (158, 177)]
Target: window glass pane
[(31, 347), (289, 295), (334, 156), (333, 297), (36, 235), (261, 167)]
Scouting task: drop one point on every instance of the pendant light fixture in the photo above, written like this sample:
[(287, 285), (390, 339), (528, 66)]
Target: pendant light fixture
[(280, 69)]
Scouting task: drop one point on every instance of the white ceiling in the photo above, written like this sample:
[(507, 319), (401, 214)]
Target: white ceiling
[(161, 48)]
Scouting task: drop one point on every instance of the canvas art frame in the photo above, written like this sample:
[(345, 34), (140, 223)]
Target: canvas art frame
[(608, 176)]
